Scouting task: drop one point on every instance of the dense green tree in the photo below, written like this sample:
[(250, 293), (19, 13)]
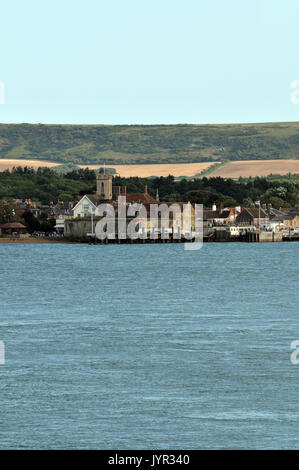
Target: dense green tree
[(46, 185), (31, 222), (277, 202), (9, 211)]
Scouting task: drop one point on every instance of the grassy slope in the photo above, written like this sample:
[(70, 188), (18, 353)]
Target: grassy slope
[(149, 144)]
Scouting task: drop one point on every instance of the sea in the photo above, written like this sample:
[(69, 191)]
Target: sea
[(149, 346)]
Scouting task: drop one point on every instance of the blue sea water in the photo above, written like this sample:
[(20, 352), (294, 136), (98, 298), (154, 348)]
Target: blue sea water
[(131, 347)]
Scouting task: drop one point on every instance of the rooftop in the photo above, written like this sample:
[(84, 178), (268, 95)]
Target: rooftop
[(12, 225)]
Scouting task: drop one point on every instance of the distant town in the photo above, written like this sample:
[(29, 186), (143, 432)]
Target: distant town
[(224, 218)]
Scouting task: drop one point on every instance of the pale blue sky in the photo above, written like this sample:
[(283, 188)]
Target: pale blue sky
[(148, 61)]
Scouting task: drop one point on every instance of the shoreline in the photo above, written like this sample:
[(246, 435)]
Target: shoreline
[(43, 241), (30, 241)]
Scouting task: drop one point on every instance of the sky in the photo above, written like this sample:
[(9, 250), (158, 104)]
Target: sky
[(149, 61)]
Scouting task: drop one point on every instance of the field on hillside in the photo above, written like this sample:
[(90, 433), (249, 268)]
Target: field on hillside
[(230, 170), (122, 145), (257, 168), (145, 171), (8, 164)]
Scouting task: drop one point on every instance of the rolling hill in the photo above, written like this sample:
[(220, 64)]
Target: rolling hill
[(118, 145)]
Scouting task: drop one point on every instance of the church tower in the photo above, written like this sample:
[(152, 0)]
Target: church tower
[(104, 185)]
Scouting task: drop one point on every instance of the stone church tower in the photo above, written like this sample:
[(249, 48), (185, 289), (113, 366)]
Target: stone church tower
[(104, 186)]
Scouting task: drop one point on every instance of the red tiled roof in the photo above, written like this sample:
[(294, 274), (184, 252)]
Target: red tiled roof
[(12, 225), (140, 198)]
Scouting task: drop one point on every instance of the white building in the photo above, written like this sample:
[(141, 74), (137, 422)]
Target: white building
[(59, 227), (86, 206)]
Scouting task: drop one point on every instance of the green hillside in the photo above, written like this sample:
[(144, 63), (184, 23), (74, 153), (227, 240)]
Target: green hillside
[(80, 144)]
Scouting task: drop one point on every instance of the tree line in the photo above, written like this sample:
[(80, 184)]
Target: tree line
[(45, 185)]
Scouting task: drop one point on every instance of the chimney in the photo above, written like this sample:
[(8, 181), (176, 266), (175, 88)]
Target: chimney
[(125, 190), (269, 207), (157, 195), (116, 190), (145, 189)]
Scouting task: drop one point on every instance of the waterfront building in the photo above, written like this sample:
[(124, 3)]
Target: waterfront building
[(12, 228), (61, 212), (86, 205), (252, 216), (291, 221), (220, 216)]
